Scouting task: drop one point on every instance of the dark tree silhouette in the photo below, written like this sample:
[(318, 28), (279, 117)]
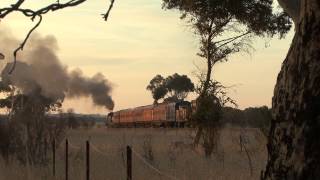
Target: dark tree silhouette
[(157, 88), (224, 28), (30, 130), (256, 117), (72, 121), (294, 146), (179, 86), (174, 88), (34, 13)]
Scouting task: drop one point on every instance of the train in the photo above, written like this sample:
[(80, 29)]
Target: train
[(173, 114)]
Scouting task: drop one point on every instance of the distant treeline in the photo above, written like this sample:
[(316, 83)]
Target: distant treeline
[(256, 117), (71, 120), (74, 120)]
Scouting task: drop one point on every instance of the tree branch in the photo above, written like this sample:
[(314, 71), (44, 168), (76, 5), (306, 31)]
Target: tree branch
[(34, 13), (20, 48), (106, 15), (5, 11), (229, 40)]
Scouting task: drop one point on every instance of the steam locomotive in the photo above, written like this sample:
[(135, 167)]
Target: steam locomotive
[(157, 115)]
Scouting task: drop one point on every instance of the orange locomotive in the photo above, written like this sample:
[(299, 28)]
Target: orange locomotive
[(161, 115)]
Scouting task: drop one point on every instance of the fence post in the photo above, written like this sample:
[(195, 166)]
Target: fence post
[(129, 163), (67, 160), (88, 160), (54, 157), (241, 145)]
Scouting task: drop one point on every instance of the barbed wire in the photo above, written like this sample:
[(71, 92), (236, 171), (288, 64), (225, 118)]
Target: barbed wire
[(152, 167), (96, 149), (139, 156), (74, 146)]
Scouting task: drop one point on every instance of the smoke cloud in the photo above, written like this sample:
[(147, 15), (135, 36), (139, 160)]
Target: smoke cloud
[(41, 69)]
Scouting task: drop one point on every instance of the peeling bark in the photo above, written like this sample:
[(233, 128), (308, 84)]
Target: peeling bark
[(294, 139)]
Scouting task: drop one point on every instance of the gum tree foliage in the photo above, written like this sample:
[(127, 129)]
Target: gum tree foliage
[(179, 86), (157, 88), (174, 88), (28, 131), (225, 27), (253, 117)]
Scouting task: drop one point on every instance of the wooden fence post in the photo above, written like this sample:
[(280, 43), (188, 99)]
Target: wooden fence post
[(88, 160), (241, 145), (54, 157), (129, 163), (67, 160)]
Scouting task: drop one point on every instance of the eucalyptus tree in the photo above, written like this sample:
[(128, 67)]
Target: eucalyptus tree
[(294, 146), (179, 86), (224, 28), (157, 88), (173, 88), (29, 131)]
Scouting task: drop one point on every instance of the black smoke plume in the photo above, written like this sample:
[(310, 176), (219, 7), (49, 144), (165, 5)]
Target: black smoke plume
[(41, 69)]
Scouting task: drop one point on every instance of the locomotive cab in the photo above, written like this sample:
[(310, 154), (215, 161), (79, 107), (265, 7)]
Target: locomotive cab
[(183, 112), (109, 119)]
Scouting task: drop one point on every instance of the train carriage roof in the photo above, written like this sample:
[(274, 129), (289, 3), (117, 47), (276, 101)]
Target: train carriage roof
[(176, 104)]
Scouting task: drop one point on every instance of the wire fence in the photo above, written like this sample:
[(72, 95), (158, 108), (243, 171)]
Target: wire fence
[(139, 156), (89, 146)]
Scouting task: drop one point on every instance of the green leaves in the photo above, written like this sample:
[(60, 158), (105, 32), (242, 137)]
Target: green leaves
[(257, 16)]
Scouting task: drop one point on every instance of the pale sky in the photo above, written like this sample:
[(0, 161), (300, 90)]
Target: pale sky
[(141, 40)]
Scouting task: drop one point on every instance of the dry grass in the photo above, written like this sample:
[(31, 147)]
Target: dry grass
[(171, 153)]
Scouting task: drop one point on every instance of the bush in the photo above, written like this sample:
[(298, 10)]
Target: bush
[(29, 140)]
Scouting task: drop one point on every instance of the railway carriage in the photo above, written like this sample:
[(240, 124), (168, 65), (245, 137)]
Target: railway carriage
[(164, 115)]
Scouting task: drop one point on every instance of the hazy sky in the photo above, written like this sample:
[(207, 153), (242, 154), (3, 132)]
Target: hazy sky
[(141, 40)]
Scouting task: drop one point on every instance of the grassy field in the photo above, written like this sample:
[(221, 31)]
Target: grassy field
[(168, 150)]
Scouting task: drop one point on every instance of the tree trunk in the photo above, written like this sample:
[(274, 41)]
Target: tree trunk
[(294, 139)]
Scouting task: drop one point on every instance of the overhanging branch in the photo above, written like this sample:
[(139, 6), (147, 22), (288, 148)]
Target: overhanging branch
[(38, 13), (229, 40), (106, 15), (20, 48)]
